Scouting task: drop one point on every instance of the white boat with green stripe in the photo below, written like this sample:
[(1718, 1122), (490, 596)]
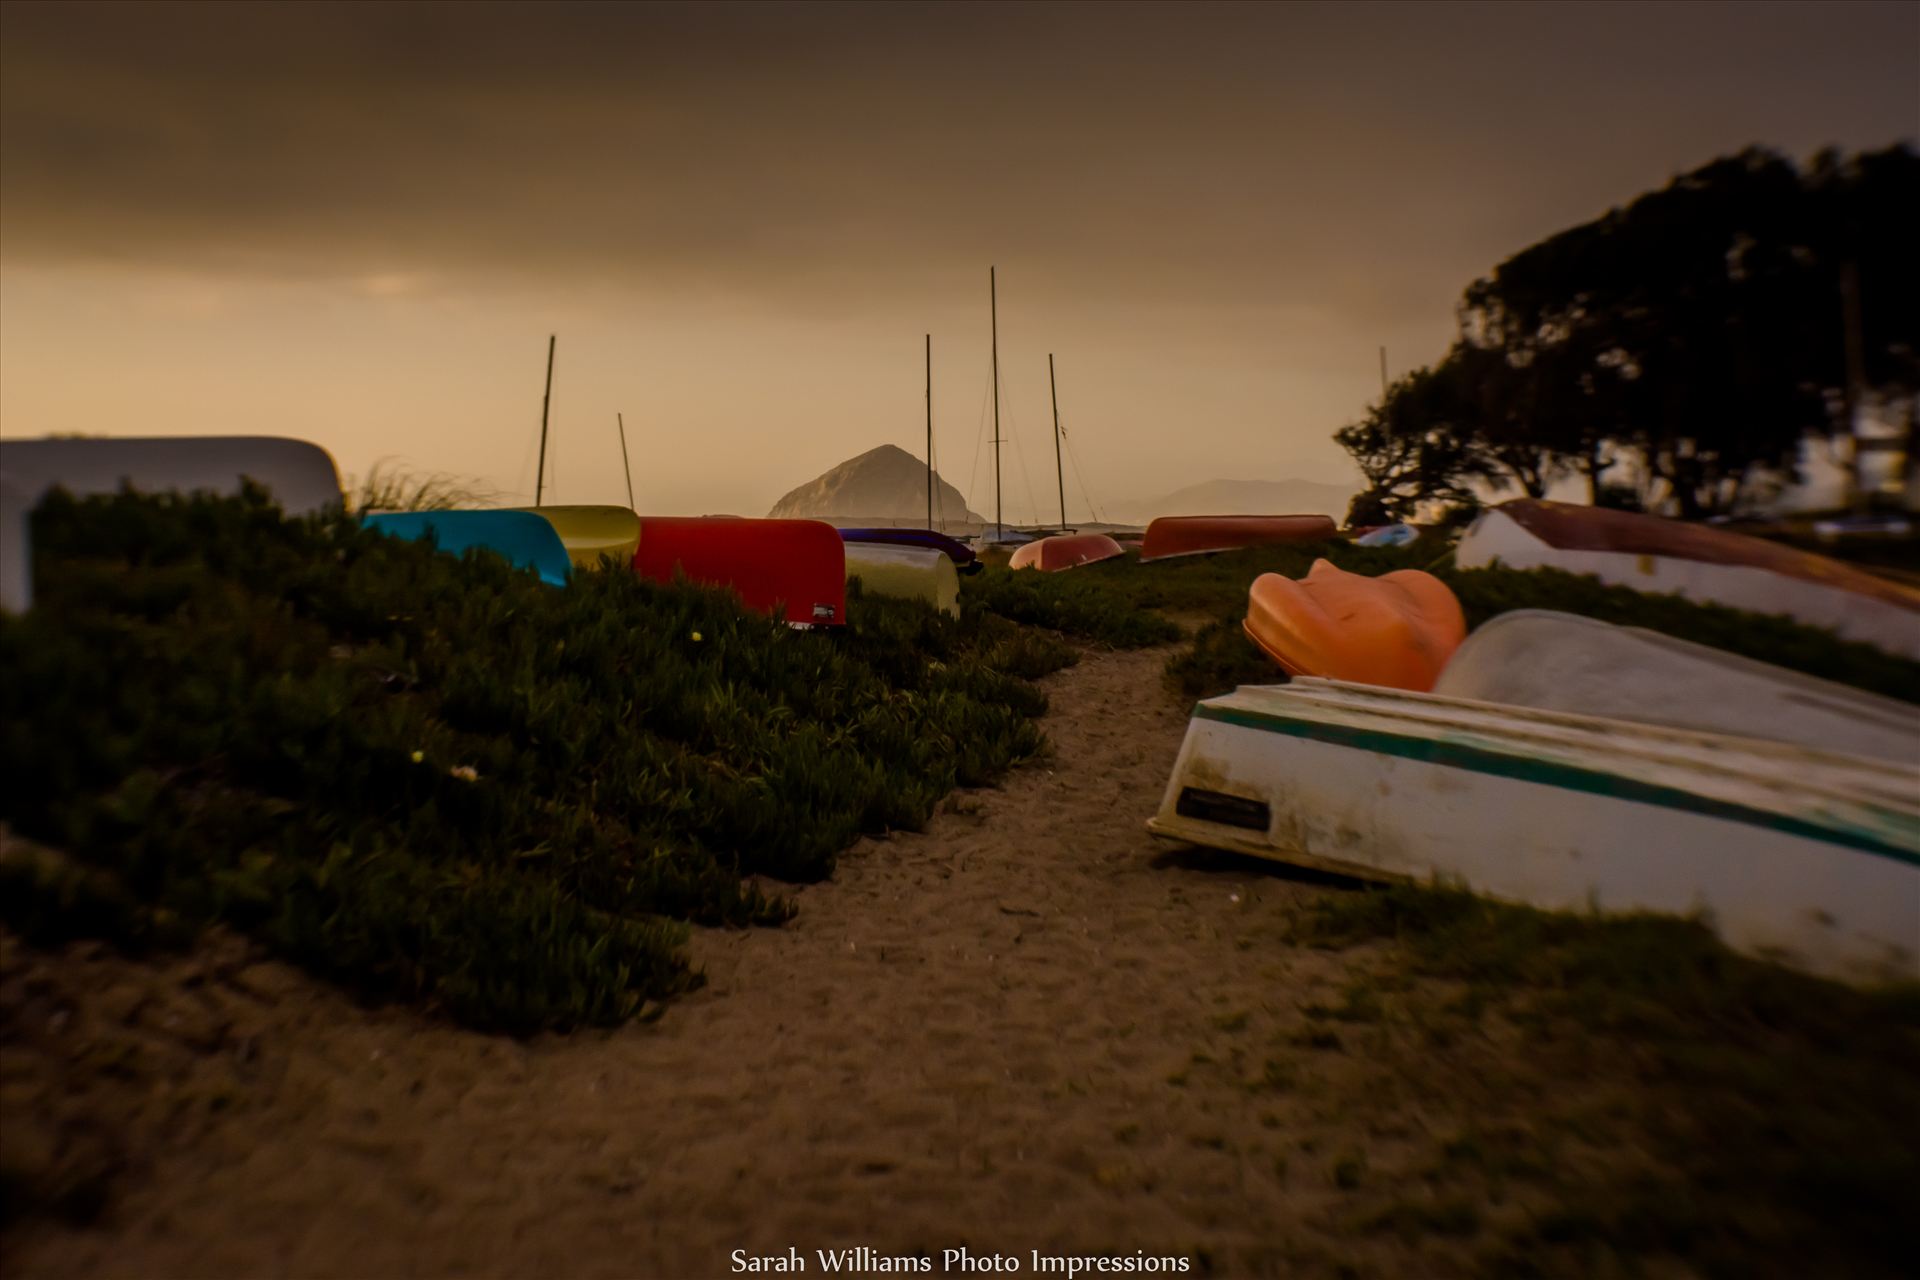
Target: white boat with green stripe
[(1805, 856)]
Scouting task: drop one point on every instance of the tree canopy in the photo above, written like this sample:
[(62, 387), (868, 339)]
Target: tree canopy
[(1668, 348)]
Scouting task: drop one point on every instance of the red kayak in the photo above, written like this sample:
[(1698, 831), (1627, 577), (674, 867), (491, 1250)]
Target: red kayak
[(1064, 551), (1196, 535), (799, 563)]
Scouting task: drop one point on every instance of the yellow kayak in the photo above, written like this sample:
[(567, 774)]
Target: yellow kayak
[(591, 532), (913, 573)]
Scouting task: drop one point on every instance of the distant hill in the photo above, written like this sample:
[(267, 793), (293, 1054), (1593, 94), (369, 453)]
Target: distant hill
[(1242, 497), (886, 483)]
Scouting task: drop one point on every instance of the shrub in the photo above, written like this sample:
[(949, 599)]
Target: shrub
[(439, 780)]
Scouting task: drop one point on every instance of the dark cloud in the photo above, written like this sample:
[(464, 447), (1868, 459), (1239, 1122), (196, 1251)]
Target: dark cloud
[(1366, 159)]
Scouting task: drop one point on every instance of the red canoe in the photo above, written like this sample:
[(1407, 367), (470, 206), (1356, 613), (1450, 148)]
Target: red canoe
[(1197, 535), (799, 563), (1064, 551)]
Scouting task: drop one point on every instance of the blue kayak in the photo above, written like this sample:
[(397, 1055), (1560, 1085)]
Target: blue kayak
[(525, 540), (959, 552)]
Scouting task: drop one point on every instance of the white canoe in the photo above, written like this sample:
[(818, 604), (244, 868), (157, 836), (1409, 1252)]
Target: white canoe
[(300, 476), (913, 573), (1711, 565), (1808, 857), (1563, 662)]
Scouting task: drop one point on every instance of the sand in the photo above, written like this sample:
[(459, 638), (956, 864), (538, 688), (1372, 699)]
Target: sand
[(1030, 1027)]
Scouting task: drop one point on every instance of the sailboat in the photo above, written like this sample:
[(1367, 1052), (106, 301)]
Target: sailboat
[(1002, 535)]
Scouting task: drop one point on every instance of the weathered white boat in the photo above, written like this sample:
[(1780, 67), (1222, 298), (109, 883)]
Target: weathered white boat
[(1563, 662), (1648, 553), (300, 476), (1806, 856), (914, 573)]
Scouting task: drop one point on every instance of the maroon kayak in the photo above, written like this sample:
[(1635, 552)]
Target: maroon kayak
[(1198, 535), (1577, 528)]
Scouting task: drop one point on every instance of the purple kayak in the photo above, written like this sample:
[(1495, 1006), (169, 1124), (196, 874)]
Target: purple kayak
[(959, 552)]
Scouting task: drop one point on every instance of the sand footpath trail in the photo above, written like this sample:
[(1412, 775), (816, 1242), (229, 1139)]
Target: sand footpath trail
[(1031, 1026)]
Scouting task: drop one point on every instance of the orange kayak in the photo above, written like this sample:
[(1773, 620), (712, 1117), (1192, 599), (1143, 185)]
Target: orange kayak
[(1197, 535), (1064, 551), (1396, 630)]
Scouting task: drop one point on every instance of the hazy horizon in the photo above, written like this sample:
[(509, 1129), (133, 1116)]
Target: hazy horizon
[(359, 224)]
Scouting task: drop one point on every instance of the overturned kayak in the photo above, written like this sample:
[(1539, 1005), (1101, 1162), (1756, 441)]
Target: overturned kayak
[(594, 534), (1806, 856), (1388, 535), (521, 538), (797, 567), (1397, 630), (1563, 662), (963, 556), (1649, 553), (1197, 535), (911, 573), (1065, 551), (299, 475)]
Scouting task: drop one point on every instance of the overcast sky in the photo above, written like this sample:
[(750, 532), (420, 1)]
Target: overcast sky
[(358, 224)]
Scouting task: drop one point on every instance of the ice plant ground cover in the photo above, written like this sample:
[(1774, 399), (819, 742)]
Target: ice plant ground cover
[(439, 780)]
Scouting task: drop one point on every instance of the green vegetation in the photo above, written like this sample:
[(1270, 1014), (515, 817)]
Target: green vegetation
[(436, 779), (397, 489), (1785, 1110), (1088, 603)]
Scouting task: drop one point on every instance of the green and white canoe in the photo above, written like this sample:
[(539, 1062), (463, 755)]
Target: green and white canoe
[(1804, 855)]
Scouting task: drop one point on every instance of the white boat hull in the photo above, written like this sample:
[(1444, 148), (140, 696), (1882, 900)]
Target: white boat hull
[(1808, 857), (1497, 538), (1562, 662), (300, 476)]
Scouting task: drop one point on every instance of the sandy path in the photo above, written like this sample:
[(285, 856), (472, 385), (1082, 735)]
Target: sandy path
[(1031, 1026)]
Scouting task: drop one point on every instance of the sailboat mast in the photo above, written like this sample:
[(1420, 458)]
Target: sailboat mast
[(546, 398), (929, 431), (1058, 470), (625, 465), (993, 310)]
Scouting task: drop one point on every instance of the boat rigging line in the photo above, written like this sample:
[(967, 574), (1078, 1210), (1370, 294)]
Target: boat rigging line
[(546, 399), (1080, 474), (1053, 390), (626, 466), (979, 435)]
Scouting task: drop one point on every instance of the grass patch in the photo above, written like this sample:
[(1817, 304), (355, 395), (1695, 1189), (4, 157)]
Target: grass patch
[(1785, 1109), (1220, 660), (1084, 603), (438, 780)]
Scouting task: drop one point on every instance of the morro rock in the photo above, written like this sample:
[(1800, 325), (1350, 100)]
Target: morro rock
[(883, 484)]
